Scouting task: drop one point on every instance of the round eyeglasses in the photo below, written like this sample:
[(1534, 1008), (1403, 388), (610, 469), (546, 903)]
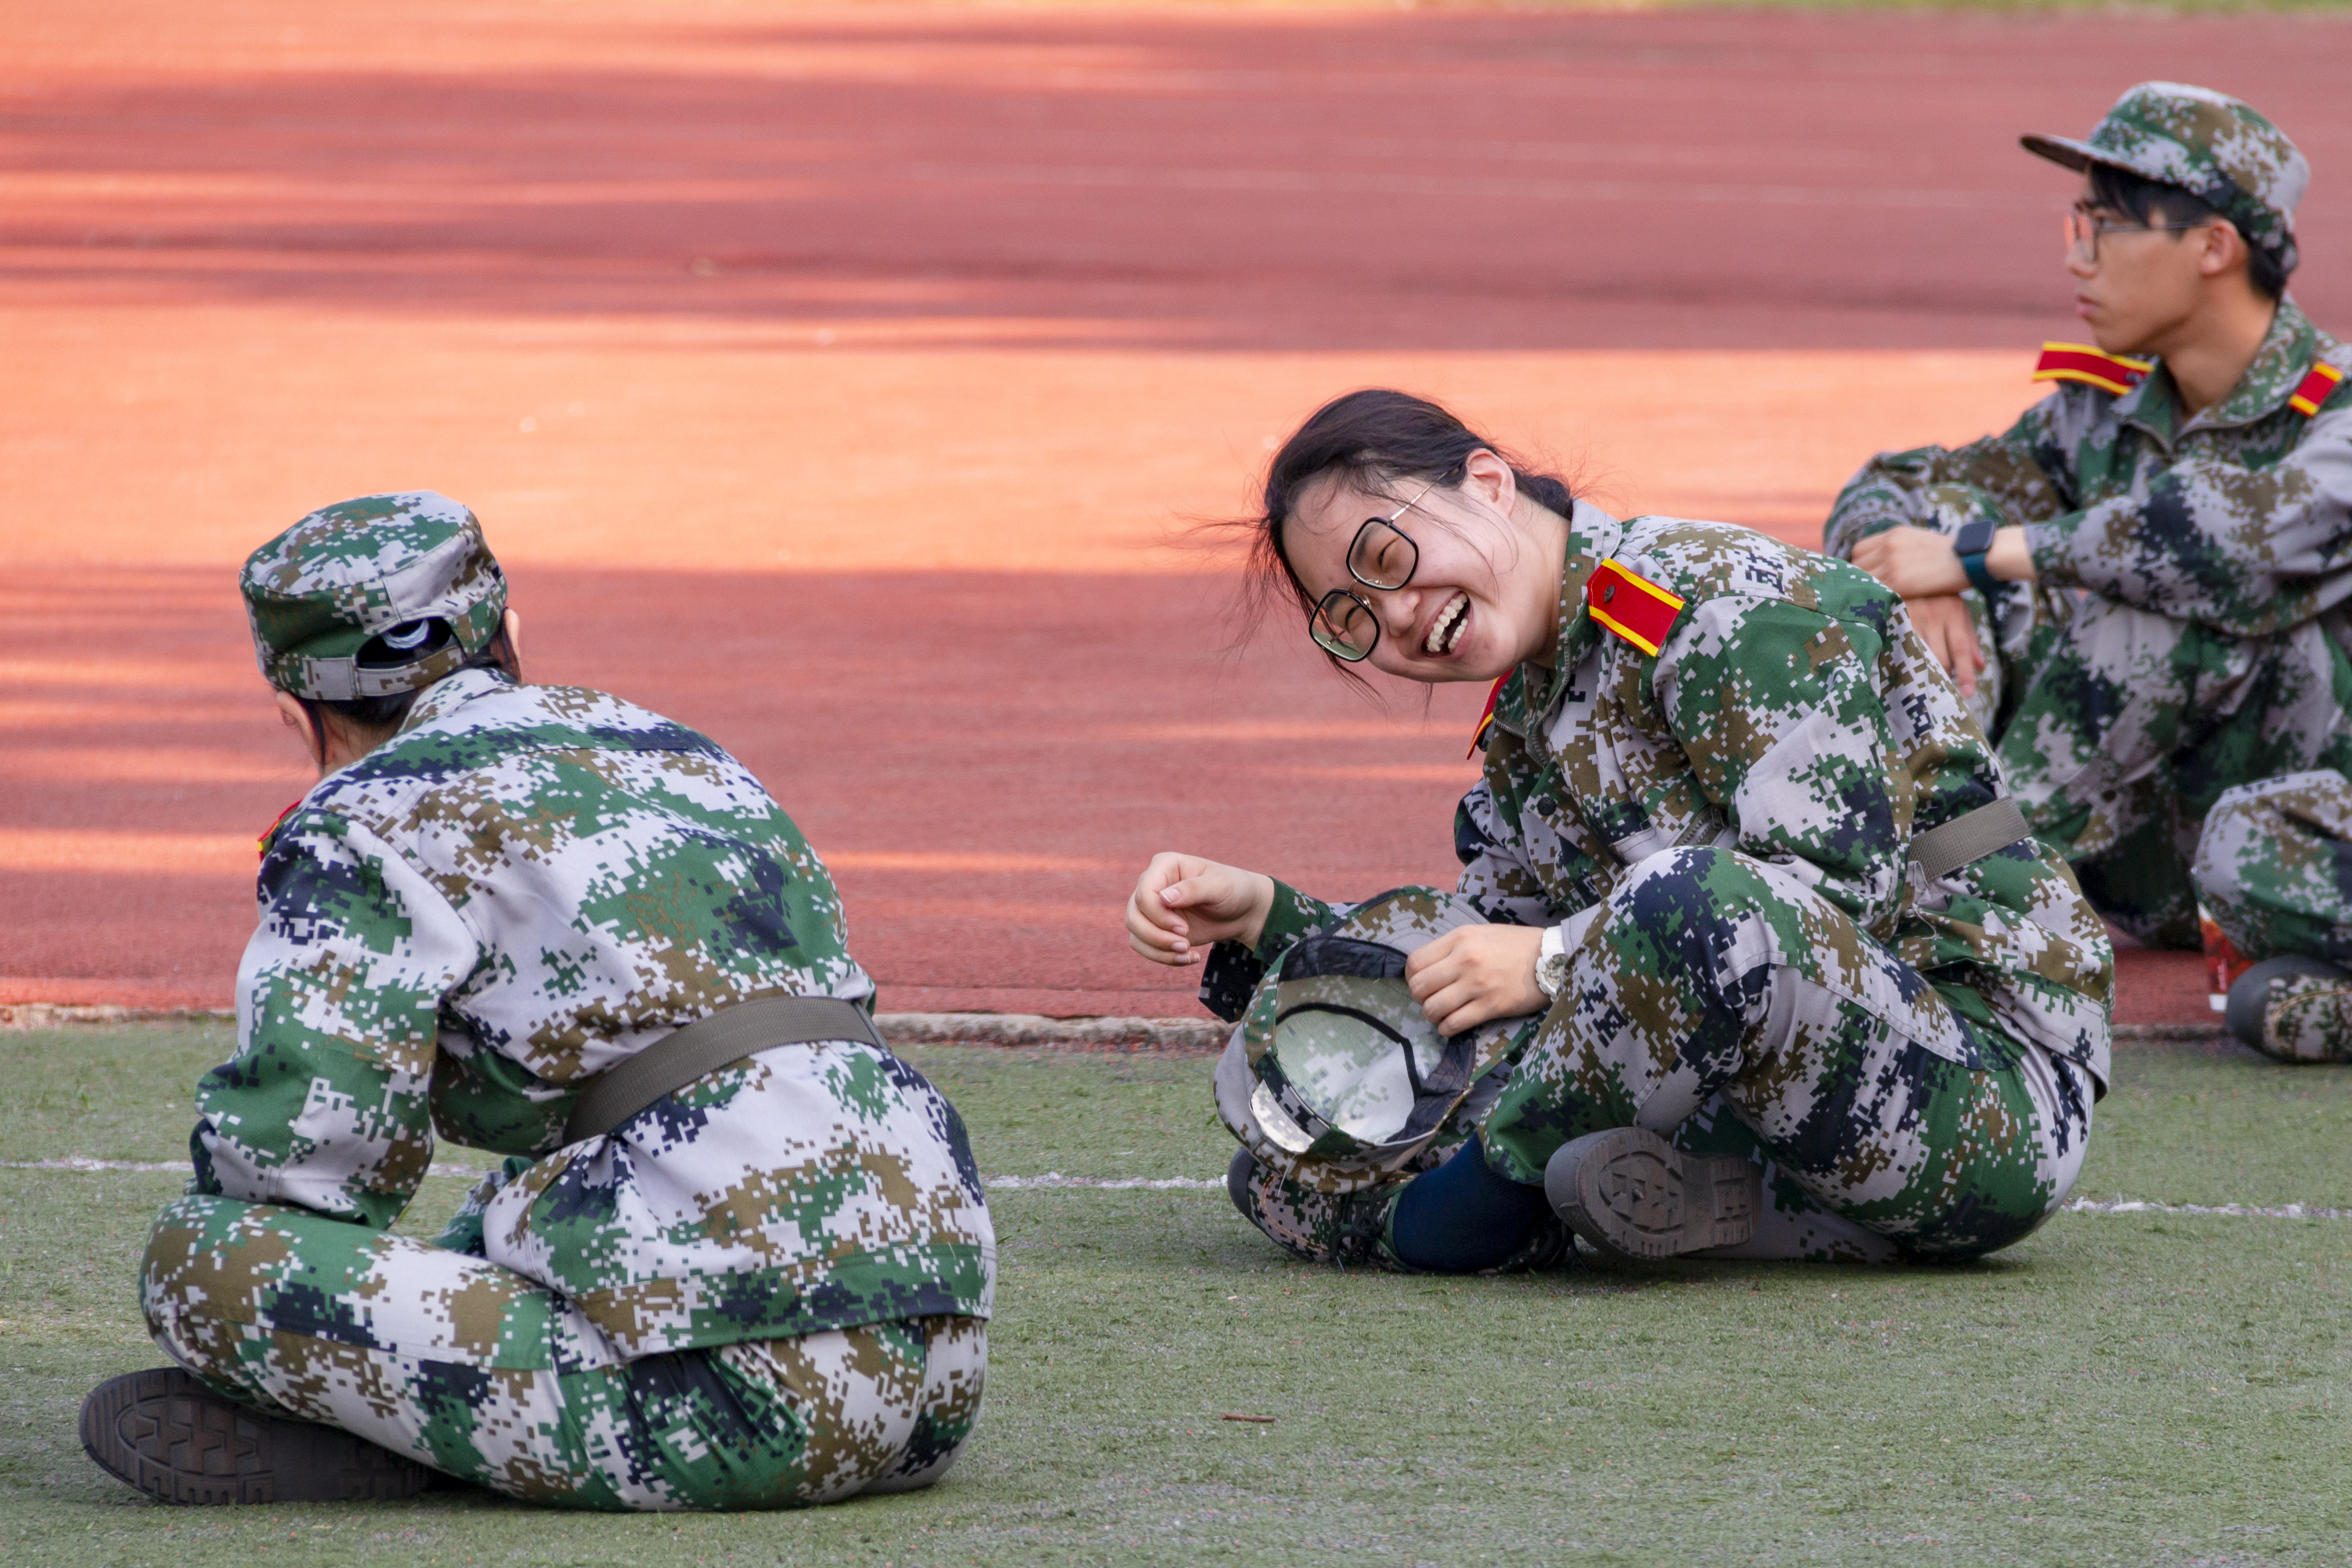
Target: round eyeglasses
[(1381, 556)]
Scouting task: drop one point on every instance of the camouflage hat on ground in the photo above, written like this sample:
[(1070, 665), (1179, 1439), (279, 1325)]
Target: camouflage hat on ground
[(1335, 1076), (2213, 147), (381, 566)]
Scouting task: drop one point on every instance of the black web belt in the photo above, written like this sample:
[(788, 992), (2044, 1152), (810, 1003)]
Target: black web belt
[(705, 1046)]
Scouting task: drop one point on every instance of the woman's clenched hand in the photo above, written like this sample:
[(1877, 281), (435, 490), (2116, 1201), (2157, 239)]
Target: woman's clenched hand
[(1181, 903), (1477, 973)]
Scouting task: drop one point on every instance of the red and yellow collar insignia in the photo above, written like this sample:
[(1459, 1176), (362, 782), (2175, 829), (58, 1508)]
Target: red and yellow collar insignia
[(1632, 606), (2319, 384), (262, 843), (2081, 362), (1487, 719)]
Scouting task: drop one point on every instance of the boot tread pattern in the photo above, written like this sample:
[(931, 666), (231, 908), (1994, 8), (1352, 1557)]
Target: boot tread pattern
[(166, 1434), (1633, 1195)]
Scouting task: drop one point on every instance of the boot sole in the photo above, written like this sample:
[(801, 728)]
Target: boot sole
[(171, 1437), (1637, 1197)]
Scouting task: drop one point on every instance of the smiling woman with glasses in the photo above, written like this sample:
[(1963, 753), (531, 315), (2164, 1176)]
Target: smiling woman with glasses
[(1747, 956)]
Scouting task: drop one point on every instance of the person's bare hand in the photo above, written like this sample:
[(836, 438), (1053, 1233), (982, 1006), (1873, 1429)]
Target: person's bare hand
[(1944, 624), (1181, 903), (1476, 972), (1917, 563)]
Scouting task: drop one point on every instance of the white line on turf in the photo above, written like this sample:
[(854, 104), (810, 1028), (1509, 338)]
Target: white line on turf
[(468, 1173), (2229, 1210), (1056, 1179), (76, 1162), (1207, 1183)]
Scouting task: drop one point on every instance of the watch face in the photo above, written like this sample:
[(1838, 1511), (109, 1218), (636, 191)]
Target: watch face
[(1553, 974)]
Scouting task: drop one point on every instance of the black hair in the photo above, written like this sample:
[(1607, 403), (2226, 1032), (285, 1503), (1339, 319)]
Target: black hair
[(1380, 439), (377, 718), (2147, 201)]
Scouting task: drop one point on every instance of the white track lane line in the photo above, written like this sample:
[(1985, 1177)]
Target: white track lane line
[(1055, 1179)]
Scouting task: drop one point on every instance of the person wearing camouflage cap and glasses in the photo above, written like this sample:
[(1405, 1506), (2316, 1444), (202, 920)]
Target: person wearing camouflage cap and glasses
[(1747, 952), (2142, 583), (737, 1256)]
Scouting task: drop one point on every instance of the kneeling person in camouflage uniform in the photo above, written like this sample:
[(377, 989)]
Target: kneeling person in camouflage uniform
[(2156, 559), (738, 1256), (1748, 954)]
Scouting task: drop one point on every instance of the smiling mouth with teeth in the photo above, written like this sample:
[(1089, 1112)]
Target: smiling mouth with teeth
[(1445, 632)]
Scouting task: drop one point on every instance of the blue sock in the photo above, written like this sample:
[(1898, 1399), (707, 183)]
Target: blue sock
[(1461, 1217)]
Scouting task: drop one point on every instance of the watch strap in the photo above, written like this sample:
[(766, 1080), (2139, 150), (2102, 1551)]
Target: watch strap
[(1552, 961), (1971, 544)]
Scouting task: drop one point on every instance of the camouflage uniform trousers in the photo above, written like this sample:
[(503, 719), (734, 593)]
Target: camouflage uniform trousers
[(1716, 1000), (1354, 1229), (2274, 869), (484, 1375), (2119, 728)]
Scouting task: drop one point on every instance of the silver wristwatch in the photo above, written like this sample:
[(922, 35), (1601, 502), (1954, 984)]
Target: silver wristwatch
[(1551, 963)]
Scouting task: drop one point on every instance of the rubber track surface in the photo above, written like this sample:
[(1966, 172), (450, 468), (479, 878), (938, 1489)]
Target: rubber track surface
[(832, 380)]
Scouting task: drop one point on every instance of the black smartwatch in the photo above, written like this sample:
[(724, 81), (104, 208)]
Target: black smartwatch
[(1971, 544)]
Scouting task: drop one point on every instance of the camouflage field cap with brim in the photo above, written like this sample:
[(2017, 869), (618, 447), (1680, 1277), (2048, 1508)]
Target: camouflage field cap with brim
[(2210, 145), (380, 565), (1335, 1074)]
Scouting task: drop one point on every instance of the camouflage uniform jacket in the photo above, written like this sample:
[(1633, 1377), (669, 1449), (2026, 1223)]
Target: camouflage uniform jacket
[(2239, 520), (1792, 715), (523, 887)]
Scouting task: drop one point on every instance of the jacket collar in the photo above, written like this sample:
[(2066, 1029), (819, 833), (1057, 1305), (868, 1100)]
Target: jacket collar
[(444, 698), (2279, 366)]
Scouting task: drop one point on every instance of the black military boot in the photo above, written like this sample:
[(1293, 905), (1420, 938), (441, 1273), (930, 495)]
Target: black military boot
[(177, 1440), (2293, 1008), (1636, 1196)]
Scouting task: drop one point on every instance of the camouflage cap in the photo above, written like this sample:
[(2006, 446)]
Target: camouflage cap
[(2212, 146), (384, 566), (1336, 1075)]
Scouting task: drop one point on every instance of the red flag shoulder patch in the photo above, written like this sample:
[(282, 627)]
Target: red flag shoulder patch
[(1630, 605), (2082, 363), (2319, 384), (1486, 718), (262, 843)]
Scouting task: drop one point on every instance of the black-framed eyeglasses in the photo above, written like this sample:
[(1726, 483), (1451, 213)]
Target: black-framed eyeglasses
[(2085, 226), (1381, 556)]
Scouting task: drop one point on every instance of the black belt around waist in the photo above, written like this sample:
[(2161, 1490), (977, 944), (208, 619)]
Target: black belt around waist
[(705, 1046)]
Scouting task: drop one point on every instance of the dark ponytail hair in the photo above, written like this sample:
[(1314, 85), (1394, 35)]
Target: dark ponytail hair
[(1380, 440)]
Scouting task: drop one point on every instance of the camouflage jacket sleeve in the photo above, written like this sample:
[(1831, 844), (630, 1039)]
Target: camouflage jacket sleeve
[(2019, 476), (1788, 734), (1495, 874), (1230, 977), (2248, 551), (324, 1105)]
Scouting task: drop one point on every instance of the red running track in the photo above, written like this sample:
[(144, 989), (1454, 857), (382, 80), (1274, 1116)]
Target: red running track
[(828, 379)]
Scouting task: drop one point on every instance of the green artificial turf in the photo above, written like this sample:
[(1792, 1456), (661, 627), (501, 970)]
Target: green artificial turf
[(2134, 1388)]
